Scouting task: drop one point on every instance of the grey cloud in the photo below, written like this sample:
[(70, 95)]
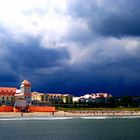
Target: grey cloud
[(22, 59), (98, 30), (109, 18)]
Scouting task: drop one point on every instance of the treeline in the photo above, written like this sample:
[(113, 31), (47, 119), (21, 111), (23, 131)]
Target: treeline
[(124, 101), (113, 102)]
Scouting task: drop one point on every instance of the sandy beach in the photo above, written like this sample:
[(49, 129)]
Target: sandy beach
[(70, 114)]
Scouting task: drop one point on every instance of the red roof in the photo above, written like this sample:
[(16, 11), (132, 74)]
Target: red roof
[(7, 91), (26, 83)]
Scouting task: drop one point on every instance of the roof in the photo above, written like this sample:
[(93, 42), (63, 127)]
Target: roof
[(7, 91), (37, 93), (66, 95), (86, 96), (54, 94), (25, 83), (103, 95)]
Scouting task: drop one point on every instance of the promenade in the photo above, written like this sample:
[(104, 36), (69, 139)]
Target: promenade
[(71, 113)]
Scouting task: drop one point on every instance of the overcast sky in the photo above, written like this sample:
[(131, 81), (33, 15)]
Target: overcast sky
[(71, 46)]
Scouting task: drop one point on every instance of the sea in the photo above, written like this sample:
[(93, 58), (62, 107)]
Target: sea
[(70, 128)]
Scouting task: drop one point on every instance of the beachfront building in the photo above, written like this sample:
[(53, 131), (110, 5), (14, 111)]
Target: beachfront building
[(85, 98), (24, 93), (102, 97), (93, 98), (40, 99), (10, 96), (51, 98), (75, 99), (25, 89), (67, 98), (24, 97), (55, 98), (7, 95)]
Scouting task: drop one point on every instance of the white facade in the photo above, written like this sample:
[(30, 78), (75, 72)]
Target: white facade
[(21, 103), (24, 93), (94, 97), (75, 99)]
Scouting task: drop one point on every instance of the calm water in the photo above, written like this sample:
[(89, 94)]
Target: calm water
[(70, 129)]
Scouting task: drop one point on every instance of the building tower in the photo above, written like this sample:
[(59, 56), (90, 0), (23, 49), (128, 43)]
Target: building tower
[(25, 89)]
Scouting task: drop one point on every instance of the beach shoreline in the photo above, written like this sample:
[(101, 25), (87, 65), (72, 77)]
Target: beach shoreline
[(70, 114)]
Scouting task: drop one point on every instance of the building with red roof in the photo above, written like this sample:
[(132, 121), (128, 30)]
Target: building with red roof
[(7, 95), (24, 93)]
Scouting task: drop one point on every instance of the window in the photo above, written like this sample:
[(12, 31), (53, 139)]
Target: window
[(3, 101), (42, 98)]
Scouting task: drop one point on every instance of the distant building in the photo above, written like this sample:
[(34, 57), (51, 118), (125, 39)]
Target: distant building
[(75, 99), (24, 97), (55, 98), (67, 98), (41, 99), (102, 97), (52, 98), (92, 98), (24, 93), (7, 95), (85, 98)]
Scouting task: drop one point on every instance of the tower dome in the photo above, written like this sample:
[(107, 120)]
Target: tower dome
[(25, 89), (25, 83)]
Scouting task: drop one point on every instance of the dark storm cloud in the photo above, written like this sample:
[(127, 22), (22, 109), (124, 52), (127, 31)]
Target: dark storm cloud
[(23, 59), (110, 18), (118, 79), (32, 56), (93, 47)]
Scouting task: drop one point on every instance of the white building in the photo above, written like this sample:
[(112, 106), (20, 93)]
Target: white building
[(75, 99), (91, 98), (24, 93)]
